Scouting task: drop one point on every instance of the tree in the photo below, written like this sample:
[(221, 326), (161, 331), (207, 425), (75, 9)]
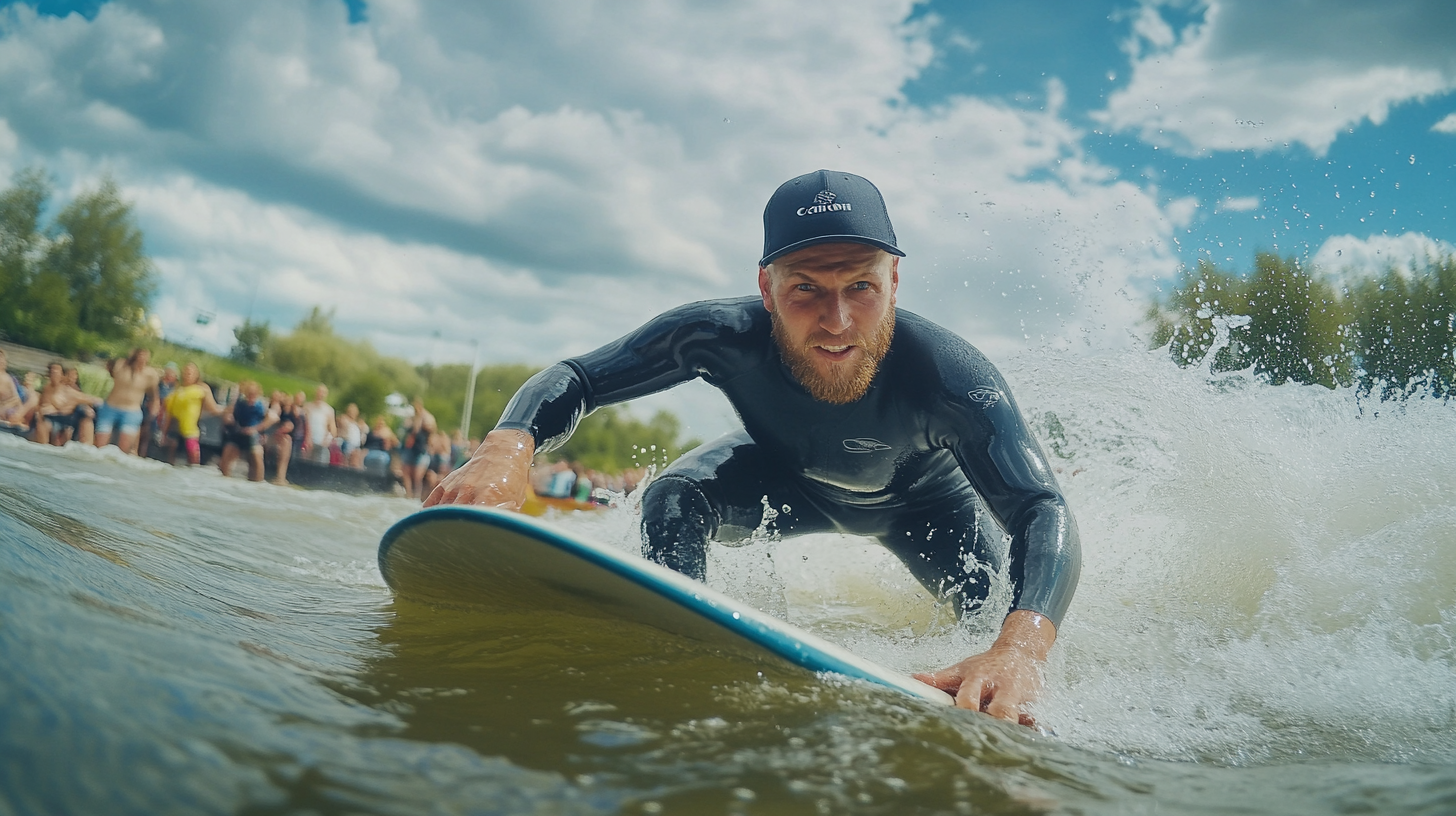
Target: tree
[(1394, 335), (1295, 329), (252, 339), (36, 306), (99, 250), (1406, 328), (1297, 325)]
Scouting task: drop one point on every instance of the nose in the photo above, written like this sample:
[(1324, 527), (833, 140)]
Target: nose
[(835, 318)]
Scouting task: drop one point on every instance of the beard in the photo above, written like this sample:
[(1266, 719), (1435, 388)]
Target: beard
[(845, 384)]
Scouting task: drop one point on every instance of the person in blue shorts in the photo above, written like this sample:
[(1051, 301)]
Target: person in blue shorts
[(65, 411), (243, 429), (134, 383), (858, 418)]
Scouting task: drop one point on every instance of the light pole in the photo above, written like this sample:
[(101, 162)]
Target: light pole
[(470, 389)]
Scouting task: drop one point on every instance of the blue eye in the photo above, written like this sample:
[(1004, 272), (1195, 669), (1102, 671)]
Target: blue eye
[(805, 287)]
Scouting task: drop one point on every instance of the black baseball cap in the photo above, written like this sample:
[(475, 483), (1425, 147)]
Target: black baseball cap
[(824, 207)]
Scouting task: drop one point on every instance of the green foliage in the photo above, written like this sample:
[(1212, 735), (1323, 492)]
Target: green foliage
[(1406, 328), (1395, 334), (1297, 333), (612, 440), (251, 339), (84, 279), (349, 367), (367, 390), (97, 248), (35, 300)]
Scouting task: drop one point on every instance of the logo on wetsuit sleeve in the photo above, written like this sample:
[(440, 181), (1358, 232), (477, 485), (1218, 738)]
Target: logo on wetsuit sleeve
[(865, 444), (823, 202), (984, 397)]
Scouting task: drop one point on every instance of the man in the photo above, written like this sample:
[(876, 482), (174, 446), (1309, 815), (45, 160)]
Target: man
[(857, 418), (249, 418), (133, 382), (319, 417), (65, 411)]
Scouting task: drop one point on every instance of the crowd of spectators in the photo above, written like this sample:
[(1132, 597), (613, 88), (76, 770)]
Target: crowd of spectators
[(160, 412)]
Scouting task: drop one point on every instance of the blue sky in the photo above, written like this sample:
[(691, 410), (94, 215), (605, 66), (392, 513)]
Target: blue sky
[(542, 177)]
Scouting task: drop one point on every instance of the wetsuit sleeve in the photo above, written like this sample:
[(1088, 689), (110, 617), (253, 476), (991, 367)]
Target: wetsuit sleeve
[(677, 346), (1008, 469)]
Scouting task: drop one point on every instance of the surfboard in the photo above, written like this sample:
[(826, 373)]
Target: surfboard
[(490, 559)]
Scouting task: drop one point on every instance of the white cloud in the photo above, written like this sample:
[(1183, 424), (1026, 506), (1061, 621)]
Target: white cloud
[(544, 177), (1447, 125), (1238, 204), (1262, 76), (1347, 257)]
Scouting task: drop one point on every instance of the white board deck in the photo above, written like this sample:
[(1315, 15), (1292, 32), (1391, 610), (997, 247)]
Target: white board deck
[(499, 560)]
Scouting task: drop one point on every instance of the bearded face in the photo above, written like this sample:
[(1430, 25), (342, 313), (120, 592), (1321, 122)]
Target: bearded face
[(845, 382), (833, 314)]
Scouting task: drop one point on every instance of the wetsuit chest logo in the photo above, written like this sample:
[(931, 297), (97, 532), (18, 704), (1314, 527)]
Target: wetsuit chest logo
[(985, 397), (865, 444)]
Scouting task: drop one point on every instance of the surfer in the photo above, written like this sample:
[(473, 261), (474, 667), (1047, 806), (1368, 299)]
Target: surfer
[(858, 418)]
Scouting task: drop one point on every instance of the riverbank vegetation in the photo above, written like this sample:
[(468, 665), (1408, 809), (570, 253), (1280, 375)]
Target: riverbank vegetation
[(81, 280), (80, 286), (1392, 335)]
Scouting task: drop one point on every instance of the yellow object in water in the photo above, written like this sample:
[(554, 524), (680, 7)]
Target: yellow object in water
[(535, 505)]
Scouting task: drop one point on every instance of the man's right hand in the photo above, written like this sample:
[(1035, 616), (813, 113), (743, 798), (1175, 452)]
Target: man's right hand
[(496, 476)]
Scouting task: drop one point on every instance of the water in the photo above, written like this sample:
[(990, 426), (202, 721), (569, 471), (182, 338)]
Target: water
[(1265, 625)]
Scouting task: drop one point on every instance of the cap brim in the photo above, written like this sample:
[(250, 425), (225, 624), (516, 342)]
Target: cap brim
[(829, 239)]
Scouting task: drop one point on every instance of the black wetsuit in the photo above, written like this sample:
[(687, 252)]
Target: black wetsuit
[(935, 441)]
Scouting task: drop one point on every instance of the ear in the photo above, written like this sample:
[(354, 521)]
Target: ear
[(765, 288), (894, 278)]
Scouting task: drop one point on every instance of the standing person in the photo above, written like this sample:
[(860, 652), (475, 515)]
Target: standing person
[(246, 423), (153, 416), (351, 436), (133, 382), (283, 434), (23, 416), (415, 454), (300, 427), (321, 426), (459, 448), (861, 417), (183, 408), (380, 441), (440, 463), (65, 411)]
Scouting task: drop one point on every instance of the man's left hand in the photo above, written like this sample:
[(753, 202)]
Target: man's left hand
[(1004, 678)]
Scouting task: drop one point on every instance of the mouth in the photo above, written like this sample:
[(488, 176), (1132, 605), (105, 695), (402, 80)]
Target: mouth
[(835, 353)]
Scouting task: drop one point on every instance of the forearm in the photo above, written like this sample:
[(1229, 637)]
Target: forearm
[(547, 408), (1045, 559)]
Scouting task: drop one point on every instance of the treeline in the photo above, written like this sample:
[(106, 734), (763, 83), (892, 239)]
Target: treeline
[(1392, 335), (609, 440), (77, 282)]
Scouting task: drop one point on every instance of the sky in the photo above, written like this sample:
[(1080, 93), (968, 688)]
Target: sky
[(529, 181)]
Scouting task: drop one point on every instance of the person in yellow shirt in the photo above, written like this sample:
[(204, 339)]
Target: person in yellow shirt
[(184, 408)]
